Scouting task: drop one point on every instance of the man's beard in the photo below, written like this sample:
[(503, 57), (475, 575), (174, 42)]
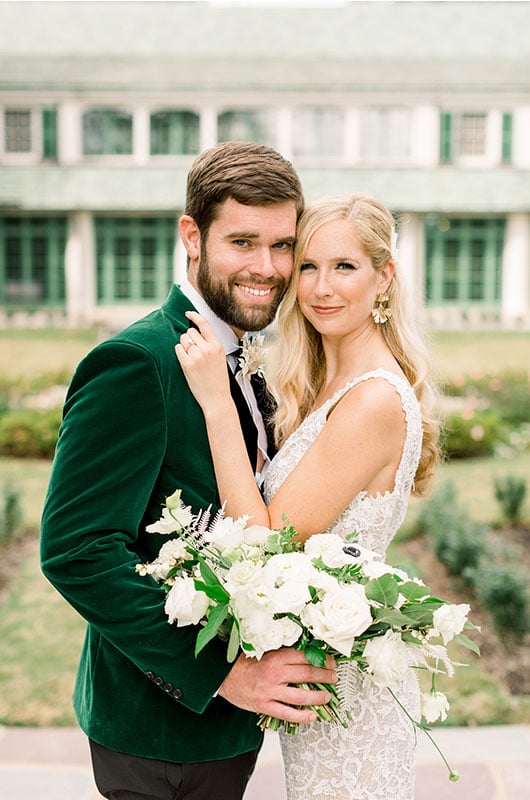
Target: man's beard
[(218, 293)]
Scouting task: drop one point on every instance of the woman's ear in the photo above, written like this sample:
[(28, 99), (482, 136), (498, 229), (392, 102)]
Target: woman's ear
[(190, 236), (386, 275)]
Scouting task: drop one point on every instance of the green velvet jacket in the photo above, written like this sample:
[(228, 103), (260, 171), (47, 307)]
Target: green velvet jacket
[(131, 434)]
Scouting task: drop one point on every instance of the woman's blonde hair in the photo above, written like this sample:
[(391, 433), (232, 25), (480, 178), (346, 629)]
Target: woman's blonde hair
[(299, 362)]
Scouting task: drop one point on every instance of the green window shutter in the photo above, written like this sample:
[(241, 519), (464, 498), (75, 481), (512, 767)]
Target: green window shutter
[(49, 133), (507, 123), (445, 137)]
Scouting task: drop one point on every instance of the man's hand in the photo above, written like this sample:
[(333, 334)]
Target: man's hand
[(269, 686)]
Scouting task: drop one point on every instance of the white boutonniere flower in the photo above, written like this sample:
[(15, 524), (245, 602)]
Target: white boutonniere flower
[(252, 358)]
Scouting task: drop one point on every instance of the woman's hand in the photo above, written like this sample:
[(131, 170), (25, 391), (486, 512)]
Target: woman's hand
[(203, 363)]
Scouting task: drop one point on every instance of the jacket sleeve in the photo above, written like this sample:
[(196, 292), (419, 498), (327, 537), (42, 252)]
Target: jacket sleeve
[(109, 455)]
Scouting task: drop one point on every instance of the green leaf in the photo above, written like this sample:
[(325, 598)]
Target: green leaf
[(217, 616), (208, 575), (383, 590), (233, 643), (412, 591), (315, 656), (392, 616), (217, 592), (420, 614), (465, 642)]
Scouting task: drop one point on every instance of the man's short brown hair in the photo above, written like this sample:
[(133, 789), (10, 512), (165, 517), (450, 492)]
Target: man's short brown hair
[(252, 174)]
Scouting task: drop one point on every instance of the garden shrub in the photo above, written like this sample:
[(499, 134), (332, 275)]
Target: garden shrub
[(29, 433), (505, 393), (10, 512), (472, 436), (510, 492), (458, 541), (502, 588)]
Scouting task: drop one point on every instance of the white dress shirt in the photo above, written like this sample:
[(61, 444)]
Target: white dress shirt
[(230, 343)]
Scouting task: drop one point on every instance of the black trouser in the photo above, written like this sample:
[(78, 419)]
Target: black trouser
[(122, 777)]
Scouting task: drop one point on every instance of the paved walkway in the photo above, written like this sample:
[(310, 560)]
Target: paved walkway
[(493, 762)]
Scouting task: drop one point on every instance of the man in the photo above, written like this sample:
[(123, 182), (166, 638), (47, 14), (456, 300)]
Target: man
[(163, 724)]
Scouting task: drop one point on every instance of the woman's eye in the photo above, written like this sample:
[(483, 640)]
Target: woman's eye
[(345, 265), (306, 266)]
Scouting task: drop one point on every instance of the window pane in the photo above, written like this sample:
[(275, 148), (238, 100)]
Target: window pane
[(17, 131), (472, 135), (107, 132), (49, 133), (174, 133), (385, 133), (245, 126), (318, 132)]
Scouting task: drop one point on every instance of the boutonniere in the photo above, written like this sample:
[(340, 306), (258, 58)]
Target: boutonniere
[(252, 358)]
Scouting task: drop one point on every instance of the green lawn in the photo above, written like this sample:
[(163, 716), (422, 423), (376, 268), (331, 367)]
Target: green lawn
[(40, 635)]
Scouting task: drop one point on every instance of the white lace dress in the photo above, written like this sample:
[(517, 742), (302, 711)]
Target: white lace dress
[(373, 758)]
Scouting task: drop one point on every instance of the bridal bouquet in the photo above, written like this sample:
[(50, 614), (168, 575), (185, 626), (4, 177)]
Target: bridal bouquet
[(260, 589)]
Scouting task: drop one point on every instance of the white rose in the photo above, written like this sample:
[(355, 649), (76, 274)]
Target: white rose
[(329, 547), (341, 615), (256, 535), (389, 658), (449, 620), (240, 574), (434, 705), (291, 597), (285, 567), (265, 633), (376, 569), (184, 603)]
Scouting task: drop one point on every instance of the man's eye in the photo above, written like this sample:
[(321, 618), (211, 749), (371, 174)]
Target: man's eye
[(285, 246), (240, 242)]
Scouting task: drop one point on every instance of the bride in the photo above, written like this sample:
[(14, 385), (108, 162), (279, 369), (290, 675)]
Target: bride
[(355, 438)]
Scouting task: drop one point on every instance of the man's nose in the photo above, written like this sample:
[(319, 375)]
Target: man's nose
[(263, 263)]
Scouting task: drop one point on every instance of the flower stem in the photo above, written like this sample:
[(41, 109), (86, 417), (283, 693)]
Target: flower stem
[(453, 776)]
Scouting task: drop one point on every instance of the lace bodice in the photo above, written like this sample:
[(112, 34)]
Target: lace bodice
[(372, 759)]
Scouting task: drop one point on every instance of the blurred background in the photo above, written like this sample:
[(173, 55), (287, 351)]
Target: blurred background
[(426, 105)]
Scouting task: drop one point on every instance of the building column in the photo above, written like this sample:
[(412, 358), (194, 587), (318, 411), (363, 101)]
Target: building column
[(69, 133), (515, 304), (410, 259), (80, 267), (141, 120)]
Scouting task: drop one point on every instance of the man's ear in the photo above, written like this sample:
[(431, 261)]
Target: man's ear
[(190, 236)]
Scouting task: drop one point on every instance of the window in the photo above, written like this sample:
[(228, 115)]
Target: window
[(464, 136), (32, 260), (245, 126), (385, 134), (174, 133), (134, 258), (471, 134), (318, 132), (17, 131), (107, 131), (463, 261)]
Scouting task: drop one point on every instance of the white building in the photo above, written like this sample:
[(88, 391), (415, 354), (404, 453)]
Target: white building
[(103, 107)]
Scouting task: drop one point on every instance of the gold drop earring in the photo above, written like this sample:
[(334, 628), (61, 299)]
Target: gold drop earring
[(381, 313)]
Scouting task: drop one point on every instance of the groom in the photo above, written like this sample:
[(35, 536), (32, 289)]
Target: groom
[(163, 724)]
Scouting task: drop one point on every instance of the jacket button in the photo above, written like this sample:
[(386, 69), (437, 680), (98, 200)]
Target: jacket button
[(150, 675), (177, 694), (158, 681), (168, 687)]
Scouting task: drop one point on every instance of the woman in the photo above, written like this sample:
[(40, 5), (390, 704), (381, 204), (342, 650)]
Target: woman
[(355, 435)]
